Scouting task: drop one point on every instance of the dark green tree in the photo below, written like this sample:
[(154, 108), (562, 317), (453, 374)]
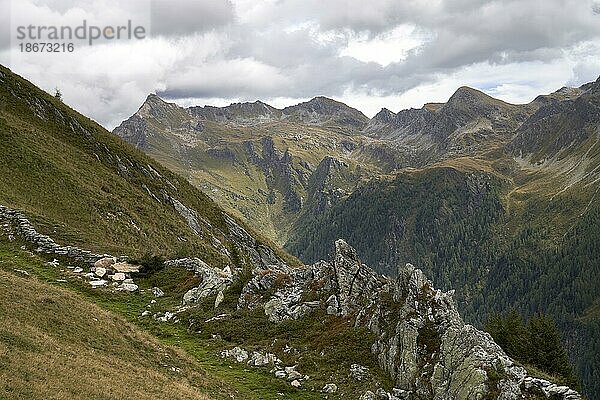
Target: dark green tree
[(547, 352), (536, 343)]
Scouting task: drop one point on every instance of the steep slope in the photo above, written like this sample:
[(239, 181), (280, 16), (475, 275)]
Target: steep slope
[(420, 215), (86, 187), (559, 127), (469, 122), (254, 160)]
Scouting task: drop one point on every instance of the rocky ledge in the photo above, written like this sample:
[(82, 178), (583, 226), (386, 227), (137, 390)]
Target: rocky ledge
[(103, 270), (422, 342)]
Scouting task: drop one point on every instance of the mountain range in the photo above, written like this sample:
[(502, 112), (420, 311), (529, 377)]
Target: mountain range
[(495, 200), (122, 279)]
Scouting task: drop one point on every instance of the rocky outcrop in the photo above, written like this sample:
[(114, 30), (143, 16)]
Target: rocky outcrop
[(280, 173), (323, 184), (422, 342), (213, 281)]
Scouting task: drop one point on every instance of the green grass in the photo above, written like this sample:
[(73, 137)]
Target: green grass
[(56, 344), (326, 346), (220, 377)]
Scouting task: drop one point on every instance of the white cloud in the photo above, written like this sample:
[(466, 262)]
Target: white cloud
[(385, 48), (385, 53)]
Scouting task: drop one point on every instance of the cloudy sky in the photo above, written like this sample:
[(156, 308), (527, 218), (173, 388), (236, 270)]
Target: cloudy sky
[(369, 54)]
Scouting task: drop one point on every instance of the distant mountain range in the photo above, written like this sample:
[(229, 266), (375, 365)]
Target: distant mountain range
[(191, 302), (496, 200)]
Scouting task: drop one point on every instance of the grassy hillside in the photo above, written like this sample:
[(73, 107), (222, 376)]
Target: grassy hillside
[(55, 344), (83, 186), (86, 187)]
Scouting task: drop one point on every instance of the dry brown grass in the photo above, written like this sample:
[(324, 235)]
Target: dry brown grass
[(56, 345)]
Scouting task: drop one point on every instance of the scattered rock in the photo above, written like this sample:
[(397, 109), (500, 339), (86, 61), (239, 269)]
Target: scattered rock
[(330, 388), (119, 276), (125, 267), (216, 318), (359, 372), (105, 262), (21, 271), (296, 384), (77, 270), (157, 292), (237, 353), (167, 316), (98, 283), (219, 299), (294, 375), (129, 287), (280, 374), (368, 396), (213, 280), (260, 360), (100, 272)]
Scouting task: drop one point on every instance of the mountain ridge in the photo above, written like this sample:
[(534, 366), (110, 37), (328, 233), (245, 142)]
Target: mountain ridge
[(309, 327), (525, 173)]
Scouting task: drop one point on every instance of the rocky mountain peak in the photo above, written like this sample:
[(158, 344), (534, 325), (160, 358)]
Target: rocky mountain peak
[(325, 111), (153, 98), (154, 106), (469, 98), (320, 105), (153, 101), (384, 116)]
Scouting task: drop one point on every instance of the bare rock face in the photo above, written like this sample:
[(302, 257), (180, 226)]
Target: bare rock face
[(213, 280), (422, 342)]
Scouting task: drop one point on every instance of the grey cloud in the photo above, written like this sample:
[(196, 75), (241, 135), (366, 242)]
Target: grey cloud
[(292, 48), (187, 17), (280, 48), (5, 25), (462, 33)]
